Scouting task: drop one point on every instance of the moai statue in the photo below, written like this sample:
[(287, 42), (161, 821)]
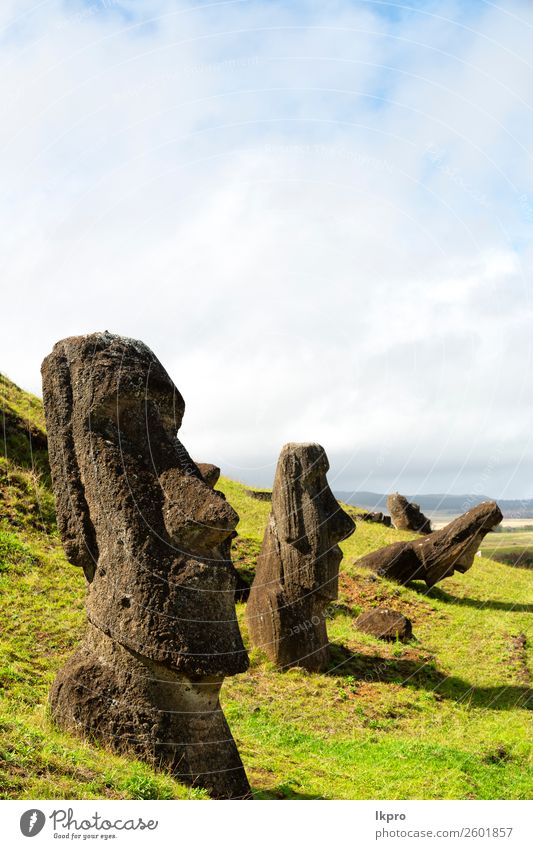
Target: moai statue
[(406, 515), (298, 567), (153, 540), (438, 555)]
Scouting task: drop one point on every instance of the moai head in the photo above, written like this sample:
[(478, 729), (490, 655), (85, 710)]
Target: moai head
[(133, 509), (308, 518), (453, 548)]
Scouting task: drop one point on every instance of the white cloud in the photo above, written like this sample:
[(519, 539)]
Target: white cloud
[(320, 220)]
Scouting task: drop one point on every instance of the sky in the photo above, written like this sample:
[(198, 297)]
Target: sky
[(319, 216)]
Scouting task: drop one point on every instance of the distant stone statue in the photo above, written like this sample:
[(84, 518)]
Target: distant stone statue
[(153, 540), (298, 567), (438, 555), (407, 516), (210, 473)]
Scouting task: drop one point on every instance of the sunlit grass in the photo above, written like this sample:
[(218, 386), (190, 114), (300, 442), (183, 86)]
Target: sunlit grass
[(443, 716)]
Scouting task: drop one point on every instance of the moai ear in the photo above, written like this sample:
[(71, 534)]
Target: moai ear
[(73, 519)]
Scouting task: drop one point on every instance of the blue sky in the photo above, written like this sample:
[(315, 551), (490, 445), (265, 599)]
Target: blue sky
[(318, 215)]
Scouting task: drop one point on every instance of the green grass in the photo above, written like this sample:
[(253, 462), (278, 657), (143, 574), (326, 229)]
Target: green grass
[(443, 716), (513, 547), (23, 428)]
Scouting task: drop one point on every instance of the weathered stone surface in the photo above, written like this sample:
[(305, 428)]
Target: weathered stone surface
[(407, 516), (298, 567), (385, 624), (153, 539), (441, 553), (112, 695), (210, 473)]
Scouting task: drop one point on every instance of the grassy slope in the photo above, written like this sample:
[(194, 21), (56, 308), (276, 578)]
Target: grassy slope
[(41, 622), (442, 717), (514, 547)]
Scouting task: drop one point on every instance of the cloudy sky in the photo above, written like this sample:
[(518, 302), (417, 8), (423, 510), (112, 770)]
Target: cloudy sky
[(319, 215)]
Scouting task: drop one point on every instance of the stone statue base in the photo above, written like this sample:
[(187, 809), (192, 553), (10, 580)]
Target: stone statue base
[(135, 706)]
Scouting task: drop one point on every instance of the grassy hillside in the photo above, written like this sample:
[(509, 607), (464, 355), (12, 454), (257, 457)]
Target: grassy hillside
[(514, 547), (441, 717)]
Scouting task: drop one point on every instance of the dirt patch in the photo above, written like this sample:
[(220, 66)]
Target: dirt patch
[(366, 592), (518, 653)]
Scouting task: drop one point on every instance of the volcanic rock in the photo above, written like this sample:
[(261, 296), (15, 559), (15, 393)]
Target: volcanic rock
[(385, 624)]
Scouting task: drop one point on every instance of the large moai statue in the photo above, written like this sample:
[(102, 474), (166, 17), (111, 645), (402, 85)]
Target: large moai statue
[(298, 567), (439, 554), (153, 539)]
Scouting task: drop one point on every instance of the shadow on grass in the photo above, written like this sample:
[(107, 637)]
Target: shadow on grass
[(373, 669), (284, 792), (523, 560), (464, 601)]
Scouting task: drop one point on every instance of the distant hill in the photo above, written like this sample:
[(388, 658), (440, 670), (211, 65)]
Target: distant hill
[(440, 504)]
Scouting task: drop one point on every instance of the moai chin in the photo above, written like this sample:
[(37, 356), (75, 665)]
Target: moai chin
[(298, 567), (154, 541)]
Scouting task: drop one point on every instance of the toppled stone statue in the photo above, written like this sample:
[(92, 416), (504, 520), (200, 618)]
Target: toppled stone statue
[(377, 518), (385, 624), (441, 553), (298, 567), (153, 540), (407, 516)]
